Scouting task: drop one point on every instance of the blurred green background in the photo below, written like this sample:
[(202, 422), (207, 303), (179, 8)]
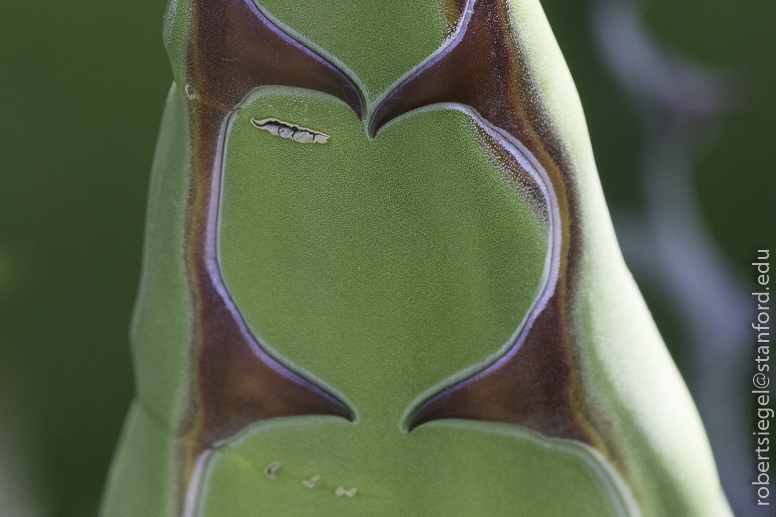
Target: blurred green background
[(83, 85)]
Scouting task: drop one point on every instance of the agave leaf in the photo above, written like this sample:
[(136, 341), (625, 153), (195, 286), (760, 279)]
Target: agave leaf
[(380, 279)]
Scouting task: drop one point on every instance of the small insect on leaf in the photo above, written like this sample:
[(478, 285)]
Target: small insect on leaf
[(296, 133)]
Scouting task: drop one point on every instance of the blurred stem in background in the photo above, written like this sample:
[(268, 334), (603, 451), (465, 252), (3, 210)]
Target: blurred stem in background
[(667, 243)]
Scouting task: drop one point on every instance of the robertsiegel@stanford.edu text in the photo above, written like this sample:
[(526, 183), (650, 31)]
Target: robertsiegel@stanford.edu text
[(761, 379)]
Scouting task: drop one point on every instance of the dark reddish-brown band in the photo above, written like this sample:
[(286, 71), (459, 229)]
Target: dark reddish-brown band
[(536, 384), (232, 49)]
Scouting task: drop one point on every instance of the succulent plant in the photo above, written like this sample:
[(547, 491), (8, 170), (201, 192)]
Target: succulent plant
[(423, 312)]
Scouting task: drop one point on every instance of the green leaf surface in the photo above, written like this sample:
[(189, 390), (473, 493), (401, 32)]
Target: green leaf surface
[(383, 266)]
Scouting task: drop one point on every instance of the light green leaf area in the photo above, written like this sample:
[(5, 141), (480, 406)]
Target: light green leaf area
[(142, 478), (450, 469), (382, 267), (378, 41)]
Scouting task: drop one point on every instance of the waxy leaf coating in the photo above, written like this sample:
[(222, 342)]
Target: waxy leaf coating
[(427, 315)]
